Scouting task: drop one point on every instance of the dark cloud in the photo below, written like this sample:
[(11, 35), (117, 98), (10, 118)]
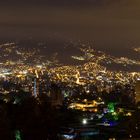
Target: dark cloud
[(59, 2), (114, 25)]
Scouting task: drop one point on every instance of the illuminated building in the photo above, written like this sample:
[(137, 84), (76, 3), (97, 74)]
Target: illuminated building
[(35, 87)]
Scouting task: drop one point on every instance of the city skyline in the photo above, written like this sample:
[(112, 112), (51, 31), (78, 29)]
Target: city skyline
[(69, 69)]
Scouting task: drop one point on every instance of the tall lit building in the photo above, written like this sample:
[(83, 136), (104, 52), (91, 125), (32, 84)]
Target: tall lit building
[(35, 87)]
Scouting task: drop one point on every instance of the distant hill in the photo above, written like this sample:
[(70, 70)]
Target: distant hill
[(63, 53)]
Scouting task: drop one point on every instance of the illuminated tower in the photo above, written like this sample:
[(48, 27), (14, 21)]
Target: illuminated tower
[(34, 92), (35, 87), (137, 89), (77, 78)]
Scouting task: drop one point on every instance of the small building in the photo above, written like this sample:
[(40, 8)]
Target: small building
[(137, 89)]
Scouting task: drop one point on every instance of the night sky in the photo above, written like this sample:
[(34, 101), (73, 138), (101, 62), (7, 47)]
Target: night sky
[(113, 25)]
